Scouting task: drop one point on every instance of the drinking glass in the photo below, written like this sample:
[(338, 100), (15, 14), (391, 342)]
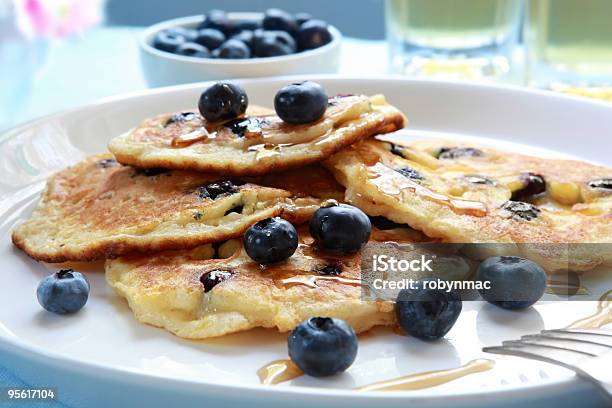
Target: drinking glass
[(466, 39), (569, 43)]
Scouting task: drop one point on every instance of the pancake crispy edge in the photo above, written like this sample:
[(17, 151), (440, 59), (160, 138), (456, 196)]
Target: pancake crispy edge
[(165, 290), (264, 143), (100, 209), (464, 196)]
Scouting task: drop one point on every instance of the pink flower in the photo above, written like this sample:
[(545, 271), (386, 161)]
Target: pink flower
[(57, 18)]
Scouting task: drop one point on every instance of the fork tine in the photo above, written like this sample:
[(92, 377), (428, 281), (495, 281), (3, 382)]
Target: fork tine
[(599, 332), (594, 369), (587, 336), (582, 346), (564, 357)]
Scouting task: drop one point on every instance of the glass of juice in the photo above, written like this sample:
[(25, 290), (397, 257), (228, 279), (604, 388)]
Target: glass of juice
[(569, 43), (462, 39)]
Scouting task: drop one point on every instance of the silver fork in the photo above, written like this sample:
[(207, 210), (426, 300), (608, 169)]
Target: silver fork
[(588, 352)]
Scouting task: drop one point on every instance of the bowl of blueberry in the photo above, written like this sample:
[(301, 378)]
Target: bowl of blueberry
[(221, 45)]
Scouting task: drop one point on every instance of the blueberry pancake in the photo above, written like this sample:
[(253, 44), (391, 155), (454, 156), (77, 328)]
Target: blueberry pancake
[(467, 194), (99, 209), (257, 143), (215, 290)]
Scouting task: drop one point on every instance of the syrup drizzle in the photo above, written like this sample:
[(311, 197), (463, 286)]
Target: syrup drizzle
[(311, 280), (278, 371), (190, 138), (264, 150), (600, 318), (431, 378), (390, 185)]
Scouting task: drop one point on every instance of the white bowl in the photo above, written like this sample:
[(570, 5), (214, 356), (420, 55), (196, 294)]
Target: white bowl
[(163, 68)]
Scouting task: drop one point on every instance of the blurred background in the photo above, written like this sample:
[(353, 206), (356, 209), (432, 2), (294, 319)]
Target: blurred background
[(58, 54), (354, 18)]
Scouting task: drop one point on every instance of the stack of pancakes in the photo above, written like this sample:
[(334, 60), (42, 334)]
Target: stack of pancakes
[(167, 210)]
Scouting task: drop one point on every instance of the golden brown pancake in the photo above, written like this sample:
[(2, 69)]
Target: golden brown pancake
[(100, 209), (194, 295), (258, 143), (467, 194)]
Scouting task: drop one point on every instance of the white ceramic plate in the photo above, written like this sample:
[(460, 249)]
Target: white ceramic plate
[(103, 356)]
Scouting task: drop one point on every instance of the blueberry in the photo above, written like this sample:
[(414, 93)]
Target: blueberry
[(273, 43), (384, 224), (340, 228), (233, 49), (313, 34), (106, 163), (516, 283), (211, 279), (478, 179), (218, 20), (427, 313), (241, 126), (299, 103), (603, 183), (271, 240), (181, 117), (216, 189), (410, 173), (456, 152), (168, 41), (322, 346), (246, 36), (397, 150), (533, 184), (301, 18), (250, 25), (151, 172), (276, 19), (520, 210), (63, 292), (210, 38), (188, 33), (333, 268), (191, 49), (223, 100)]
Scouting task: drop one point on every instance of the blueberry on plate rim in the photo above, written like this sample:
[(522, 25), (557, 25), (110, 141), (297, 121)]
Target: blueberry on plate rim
[(515, 283), (340, 228), (426, 312), (323, 346), (301, 103), (223, 101), (271, 240), (63, 292)]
